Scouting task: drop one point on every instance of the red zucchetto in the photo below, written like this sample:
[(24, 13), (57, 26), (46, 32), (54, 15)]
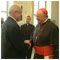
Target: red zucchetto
[(44, 10)]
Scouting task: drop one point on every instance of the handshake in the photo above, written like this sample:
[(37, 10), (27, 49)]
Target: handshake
[(28, 42)]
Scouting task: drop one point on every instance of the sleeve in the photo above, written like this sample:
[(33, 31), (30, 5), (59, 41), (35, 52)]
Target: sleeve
[(54, 40), (31, 38), (17, 38)]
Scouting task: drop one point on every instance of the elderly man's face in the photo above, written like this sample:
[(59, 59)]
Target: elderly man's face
[(18, 14), (40, 17)]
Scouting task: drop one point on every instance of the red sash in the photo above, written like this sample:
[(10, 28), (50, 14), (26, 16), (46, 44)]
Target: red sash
[(45, 50)]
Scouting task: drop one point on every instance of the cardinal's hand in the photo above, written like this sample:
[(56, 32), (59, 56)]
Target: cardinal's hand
[(28, 42)]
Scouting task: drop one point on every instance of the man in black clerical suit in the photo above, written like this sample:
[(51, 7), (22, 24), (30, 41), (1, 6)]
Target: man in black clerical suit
[(45, 37), (27, 30), (12, 39)]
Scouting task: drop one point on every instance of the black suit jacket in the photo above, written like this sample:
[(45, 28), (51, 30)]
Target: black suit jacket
[(27, 30), (12, 42)]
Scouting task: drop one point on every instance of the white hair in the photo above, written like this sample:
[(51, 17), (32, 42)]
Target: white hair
[(14, 8)]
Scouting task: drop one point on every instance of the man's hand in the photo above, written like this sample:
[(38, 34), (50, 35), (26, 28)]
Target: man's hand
[(28, 42)]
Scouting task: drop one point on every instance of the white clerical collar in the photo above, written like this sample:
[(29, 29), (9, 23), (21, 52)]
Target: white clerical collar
[(13, 18), (27, 24), (45, 20)]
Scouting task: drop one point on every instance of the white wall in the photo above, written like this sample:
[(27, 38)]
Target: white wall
[(55, 12)]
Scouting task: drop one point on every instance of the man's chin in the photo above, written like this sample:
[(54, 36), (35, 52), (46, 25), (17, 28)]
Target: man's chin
[(39, 22)]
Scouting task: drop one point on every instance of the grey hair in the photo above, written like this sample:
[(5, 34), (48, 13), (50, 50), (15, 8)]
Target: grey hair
[(13, 9), (45, 15)]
